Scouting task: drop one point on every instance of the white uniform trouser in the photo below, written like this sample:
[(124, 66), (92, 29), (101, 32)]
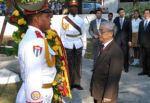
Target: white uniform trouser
[(47, 95)]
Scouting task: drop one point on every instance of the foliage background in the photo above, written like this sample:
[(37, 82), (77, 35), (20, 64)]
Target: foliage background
[(129, 7)]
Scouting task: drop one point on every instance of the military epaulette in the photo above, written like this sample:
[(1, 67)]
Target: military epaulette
[(38, 34)]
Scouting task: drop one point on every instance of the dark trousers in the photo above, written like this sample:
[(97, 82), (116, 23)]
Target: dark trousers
[(145, 59), (136, 52), (96, 49), (74, 57), (125, 49)]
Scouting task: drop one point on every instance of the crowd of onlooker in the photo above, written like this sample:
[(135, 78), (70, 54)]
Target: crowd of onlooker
[(56, 7), (87, 7), (2, 8)]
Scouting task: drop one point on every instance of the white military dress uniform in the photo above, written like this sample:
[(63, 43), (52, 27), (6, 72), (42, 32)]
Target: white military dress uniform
[(78, 40), (74, 42), (34, 69)]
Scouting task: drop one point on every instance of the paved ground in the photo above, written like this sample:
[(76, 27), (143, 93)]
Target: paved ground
[(133, 88)]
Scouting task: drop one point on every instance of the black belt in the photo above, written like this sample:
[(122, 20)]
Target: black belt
[(74, 35)]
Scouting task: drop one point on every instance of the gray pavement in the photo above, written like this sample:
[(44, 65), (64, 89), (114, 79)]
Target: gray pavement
[(133, 88)]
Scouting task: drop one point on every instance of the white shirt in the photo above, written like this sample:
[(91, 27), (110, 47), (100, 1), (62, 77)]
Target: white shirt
[(135, 25), (105, 44), (33, 65), (79, 41), (121, 21), (98, 22)]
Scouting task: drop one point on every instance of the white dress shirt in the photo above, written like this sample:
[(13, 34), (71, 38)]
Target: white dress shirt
[(135, 25), (146, 21), (107, 43), (79, 41), (98, 22), (121, 21)]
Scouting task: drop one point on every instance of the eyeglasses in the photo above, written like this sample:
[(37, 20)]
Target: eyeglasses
[(102, 33)]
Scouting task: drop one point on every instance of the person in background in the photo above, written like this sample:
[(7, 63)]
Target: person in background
[(58, 7), (123, 36), (73, 36), (144, 42), (2, 9), (110, 17), (108, 67), (135, 28), (94, 32)]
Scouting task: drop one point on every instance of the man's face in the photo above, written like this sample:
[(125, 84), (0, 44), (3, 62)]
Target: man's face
[(147, 14), (44, 21), (104, 34), (122, 13), (98, 14), (110, 17), (73, 10)]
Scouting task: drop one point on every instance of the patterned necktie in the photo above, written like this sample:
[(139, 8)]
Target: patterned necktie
[(145, 26), (121, 22), (101, 49)]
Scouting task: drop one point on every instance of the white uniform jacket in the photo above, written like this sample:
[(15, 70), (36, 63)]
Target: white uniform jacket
[(68, 29), (34, 69)]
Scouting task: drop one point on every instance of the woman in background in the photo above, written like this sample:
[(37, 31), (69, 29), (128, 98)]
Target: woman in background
[(135, 27)]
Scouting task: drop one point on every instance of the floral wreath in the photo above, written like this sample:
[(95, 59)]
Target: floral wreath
[(61, 82)]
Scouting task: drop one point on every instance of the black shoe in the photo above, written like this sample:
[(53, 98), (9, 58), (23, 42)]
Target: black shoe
[(126, 70), (92, 70), (78, 87), (142, 73), (71, 87), (148, 75)]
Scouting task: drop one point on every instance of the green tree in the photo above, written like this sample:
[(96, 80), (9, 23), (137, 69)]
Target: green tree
[(135, 4)]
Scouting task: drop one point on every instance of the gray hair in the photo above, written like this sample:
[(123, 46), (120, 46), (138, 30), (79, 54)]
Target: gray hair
[(110, 26)]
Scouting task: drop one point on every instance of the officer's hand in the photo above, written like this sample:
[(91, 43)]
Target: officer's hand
[(96, 36), (83, 52), (130, 44)]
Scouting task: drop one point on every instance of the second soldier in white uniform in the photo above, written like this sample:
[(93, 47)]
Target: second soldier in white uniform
[(73, 36)]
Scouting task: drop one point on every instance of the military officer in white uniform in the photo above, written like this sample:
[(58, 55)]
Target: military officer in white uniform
[(37, 76), (73, 35)]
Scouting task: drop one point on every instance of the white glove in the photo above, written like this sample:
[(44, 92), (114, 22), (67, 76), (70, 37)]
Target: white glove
[(83, 52)]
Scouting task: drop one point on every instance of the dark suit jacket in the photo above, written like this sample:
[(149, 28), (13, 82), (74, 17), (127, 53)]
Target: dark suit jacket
[(107, 72), (93, 31), (123, 35), (93, 27), (144, 35)]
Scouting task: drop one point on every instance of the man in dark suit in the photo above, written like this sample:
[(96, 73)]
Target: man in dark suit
[(108, 67), (144, 41), (123, 36), (94, 32)]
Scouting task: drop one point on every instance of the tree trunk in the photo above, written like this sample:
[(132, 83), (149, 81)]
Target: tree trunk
[(135, 4)]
